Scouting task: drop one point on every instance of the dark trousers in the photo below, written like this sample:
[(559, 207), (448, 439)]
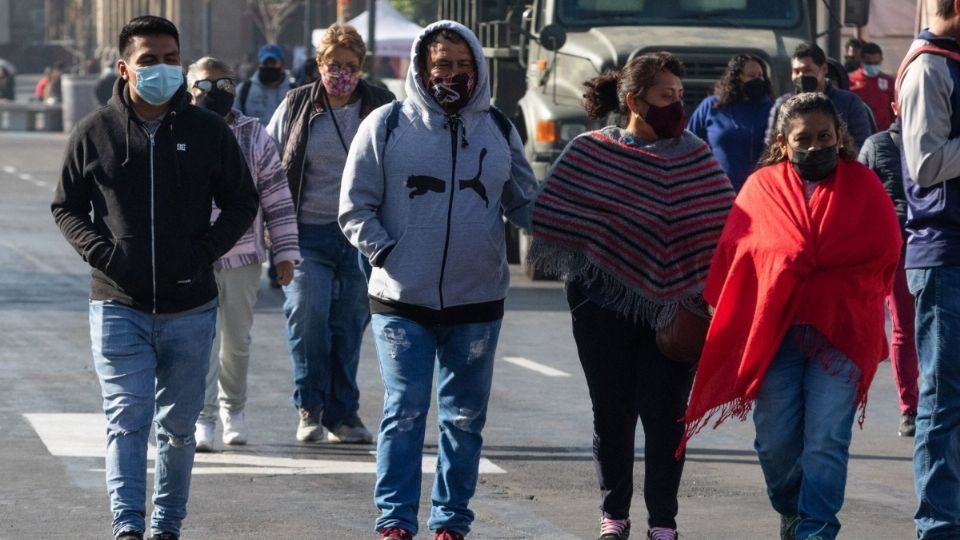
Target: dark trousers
[(628, 378)]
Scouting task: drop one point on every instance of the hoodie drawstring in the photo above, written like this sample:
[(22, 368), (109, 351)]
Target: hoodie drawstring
[(456, 121)]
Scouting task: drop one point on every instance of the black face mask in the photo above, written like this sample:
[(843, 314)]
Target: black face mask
[(851, 65), (815, 165), (269, 75), (667, 122), (217, 100), (452, 93), (755, 89), (807, 83)]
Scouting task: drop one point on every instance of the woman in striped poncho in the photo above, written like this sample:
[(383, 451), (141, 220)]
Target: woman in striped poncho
[(629, 217)]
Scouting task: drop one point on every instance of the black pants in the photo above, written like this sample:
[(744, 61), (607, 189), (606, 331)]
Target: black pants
[(629, 377)]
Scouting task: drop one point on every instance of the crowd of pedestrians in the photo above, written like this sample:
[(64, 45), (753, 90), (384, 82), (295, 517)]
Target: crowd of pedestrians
[(737, 259)]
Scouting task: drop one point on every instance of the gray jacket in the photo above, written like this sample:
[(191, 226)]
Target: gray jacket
[(427, 209), (261, 101)]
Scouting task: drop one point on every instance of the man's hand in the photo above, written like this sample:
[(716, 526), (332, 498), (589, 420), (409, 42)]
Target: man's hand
[(284, 272)]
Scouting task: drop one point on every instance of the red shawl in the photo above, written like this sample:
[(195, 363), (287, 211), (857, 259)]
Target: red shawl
[(782, 260)]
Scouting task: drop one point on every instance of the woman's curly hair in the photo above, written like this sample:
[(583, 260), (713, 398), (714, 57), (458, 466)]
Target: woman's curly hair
[(801, 105), (729, 89), (608, 92)]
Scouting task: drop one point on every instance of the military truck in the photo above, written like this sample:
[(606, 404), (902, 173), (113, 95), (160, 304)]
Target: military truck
[(541, 51)]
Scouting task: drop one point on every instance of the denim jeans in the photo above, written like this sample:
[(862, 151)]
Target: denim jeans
[(407, 352), (629, 378), (936, 457), (327, 311), (804, 419), (151, 369)]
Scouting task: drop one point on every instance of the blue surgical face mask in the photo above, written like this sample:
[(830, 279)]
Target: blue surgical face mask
[(871, 70), (156, 84)]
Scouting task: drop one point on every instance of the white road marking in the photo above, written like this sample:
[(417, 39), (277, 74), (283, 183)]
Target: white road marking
[(9, 169), (534, 366), (82, 435), (26, 177)]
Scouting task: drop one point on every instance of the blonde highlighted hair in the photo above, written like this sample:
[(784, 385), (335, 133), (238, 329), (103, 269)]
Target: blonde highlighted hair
[(343, 36)]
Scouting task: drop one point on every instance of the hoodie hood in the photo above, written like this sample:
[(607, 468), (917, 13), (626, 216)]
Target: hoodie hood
[(418, 92), (121, 102)]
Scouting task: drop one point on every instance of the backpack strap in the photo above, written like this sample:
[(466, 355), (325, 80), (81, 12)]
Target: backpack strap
[(912, 55), (393, 119), (244, 94), (502, 121)]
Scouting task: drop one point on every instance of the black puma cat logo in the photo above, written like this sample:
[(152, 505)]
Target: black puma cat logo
[(420, 185), (475, 183)]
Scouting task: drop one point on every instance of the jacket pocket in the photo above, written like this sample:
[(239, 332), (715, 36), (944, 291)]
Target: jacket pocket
[(129, 267), (411, 273), (476, 264)]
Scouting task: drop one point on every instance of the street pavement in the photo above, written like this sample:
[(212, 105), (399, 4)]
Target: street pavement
[(537, 480)]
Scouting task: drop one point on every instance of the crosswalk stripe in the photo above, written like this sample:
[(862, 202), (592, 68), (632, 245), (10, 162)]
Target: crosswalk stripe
[(83, 435), (535, 366)]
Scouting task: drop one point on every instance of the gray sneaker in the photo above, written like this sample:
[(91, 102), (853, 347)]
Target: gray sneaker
[(788, 527), (310, 429), (350, 430), (908, 425)]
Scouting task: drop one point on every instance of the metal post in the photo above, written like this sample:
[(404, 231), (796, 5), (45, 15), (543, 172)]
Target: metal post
[(833, 35), (308, 28), (343, 11), (372, 28)]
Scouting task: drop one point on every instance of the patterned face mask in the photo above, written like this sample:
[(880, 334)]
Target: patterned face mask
[(340, 82), (453, 92)]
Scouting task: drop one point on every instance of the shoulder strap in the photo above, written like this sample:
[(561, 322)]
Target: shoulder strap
[(912, 55), (393, 119), (244, 94), (502, 121)]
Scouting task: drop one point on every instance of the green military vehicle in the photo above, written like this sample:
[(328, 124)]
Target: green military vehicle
[(541, 51)]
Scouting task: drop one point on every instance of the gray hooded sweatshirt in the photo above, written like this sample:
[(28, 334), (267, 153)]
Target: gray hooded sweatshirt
[(427, 210)]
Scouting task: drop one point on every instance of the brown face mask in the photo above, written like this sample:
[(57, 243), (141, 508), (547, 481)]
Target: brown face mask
[(667, 122)]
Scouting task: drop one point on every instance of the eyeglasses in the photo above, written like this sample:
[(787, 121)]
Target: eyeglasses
[(206, 85), (336, 68)]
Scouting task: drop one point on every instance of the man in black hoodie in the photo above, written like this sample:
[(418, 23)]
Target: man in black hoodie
[(134, 200)]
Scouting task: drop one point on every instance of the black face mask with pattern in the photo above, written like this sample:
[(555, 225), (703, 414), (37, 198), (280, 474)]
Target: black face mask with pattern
[(452, 93)]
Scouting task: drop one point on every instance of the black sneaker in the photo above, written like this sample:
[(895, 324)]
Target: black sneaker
[(130, 535), (614, 529), (908, 425), (788, 527), (164, 536)]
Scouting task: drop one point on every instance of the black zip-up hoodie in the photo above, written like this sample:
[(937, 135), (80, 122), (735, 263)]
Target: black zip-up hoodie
[(149, 238)]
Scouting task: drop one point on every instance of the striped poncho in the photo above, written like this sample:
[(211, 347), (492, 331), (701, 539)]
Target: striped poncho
[(641, 221)]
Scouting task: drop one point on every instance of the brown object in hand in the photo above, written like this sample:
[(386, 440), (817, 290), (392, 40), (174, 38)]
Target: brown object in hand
[(682, 340)]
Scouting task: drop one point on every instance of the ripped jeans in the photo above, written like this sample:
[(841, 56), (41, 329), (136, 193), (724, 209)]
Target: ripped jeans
[(152, 369), (407, 352)]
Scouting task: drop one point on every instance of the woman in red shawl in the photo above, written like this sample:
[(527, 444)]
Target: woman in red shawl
[(798, 282)]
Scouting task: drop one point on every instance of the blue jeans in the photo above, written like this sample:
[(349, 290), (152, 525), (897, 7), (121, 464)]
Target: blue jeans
[(804, 419), (936, 457), (151, 369), (407, 352), (327, 311)]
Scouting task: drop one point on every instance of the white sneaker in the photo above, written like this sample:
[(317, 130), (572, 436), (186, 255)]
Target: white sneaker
[(350, 430), (234, 427), (309, 428), (204, 436)]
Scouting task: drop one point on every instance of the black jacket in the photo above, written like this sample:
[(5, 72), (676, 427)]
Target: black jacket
[(149, 238), (303, 105), (881, 152)]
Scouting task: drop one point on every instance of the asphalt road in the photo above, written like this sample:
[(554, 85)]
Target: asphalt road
[(538, 480)]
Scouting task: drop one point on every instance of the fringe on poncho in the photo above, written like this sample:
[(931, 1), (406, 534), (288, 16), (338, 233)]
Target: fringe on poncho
[(639, 221)]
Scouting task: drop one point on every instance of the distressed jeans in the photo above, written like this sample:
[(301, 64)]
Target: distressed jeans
[(408, 352), (327, 311), (804, 420), (151, 370), (936, 456)]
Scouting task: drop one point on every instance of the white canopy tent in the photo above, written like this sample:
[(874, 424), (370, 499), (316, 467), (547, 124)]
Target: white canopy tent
[(394, 33)]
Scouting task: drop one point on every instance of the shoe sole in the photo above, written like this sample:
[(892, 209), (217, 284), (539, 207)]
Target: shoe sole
[(204, 449), (348, 440)]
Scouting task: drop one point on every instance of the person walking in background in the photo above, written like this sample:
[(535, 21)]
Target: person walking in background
[(138, 181), (809, 65), (426, 187), (874, 87), (733, 121), (260, 95), (928, 96), (852, 54), (600, 224), (238, 271), (325, 307), (798, 280), (104, 88), (881, 153)]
